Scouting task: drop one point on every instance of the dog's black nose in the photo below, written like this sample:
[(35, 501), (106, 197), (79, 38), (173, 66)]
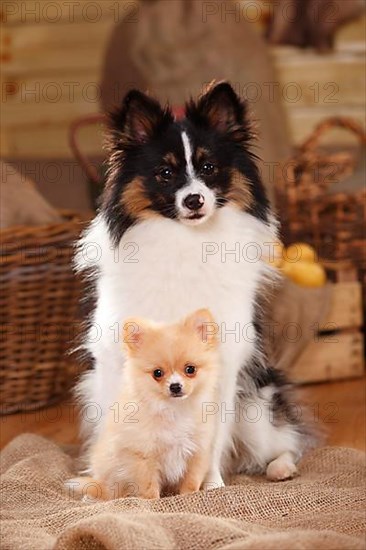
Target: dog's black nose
[(194, 202), (175, 388)]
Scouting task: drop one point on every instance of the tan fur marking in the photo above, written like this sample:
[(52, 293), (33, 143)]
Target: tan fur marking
[(239, 192), (135, 201), (171, 159), (201, 153)]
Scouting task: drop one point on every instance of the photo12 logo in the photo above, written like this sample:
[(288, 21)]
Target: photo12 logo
[(69, 11)]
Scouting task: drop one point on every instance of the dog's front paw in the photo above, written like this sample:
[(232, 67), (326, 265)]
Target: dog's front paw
[(282, 468), (213, 481), (86, 488)]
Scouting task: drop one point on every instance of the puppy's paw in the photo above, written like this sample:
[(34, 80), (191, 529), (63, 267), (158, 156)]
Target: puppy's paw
[(282, 468), (213, 481), (149, 494), (189, 486)]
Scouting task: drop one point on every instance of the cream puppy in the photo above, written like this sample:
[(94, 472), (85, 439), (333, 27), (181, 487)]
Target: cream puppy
[(157, 436)]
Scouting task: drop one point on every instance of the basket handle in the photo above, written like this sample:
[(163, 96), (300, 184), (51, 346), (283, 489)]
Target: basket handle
[(87, 166), (334, 122)]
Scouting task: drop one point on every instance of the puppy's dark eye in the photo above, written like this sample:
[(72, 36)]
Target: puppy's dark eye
[(190, 370), (207, 169), (158, 373), (166, 173)]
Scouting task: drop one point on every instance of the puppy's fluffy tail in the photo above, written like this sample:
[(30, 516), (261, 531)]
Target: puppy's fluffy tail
[(87, 487)]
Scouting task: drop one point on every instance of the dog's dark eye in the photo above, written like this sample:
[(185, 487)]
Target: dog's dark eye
[(207, 169), (190, 369), (166, 173), (158, 373)]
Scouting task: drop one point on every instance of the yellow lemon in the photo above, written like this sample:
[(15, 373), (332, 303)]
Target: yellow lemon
[(300, 252), (305, 273)]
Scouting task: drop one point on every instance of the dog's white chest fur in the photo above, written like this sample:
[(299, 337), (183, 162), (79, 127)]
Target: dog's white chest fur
[(164, 270), (176, 441)]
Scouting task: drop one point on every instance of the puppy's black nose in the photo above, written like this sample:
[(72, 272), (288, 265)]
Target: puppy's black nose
[(194, 202), (175, 388)]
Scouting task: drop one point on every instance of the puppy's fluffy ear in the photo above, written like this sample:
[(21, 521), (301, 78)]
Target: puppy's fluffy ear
[(139, 117), (220, 108), (202, 323), (134, 334)]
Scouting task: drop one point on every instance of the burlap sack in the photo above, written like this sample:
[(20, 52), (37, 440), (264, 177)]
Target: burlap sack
[(324, 508), (21, 203), (293, 314)]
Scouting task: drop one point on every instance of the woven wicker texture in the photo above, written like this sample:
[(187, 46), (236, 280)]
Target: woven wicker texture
[(39, 312), (312, 210), (333, 222), (324, 508)]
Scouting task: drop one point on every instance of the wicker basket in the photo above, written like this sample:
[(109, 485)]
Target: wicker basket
[(40, 313), (309, 209)]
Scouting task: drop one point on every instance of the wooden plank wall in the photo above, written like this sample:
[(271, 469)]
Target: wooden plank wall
[(51, 59)]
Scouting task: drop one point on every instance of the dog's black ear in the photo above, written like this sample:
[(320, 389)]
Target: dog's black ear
[(139, 117), (220, 108)]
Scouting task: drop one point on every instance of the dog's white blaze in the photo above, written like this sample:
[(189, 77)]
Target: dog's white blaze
[(188, 155)]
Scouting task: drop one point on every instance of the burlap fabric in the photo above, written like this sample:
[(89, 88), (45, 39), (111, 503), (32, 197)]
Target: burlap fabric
[(301, 307), (324, 508)]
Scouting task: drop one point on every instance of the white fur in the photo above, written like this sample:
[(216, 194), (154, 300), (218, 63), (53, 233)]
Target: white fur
[(188, 155), (176, 429), (264, 440), (177, 439), (169, 280)]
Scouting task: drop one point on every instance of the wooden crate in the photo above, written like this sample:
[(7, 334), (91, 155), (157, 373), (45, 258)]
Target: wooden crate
[(337, 351), (345, 308), (332, 357)]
